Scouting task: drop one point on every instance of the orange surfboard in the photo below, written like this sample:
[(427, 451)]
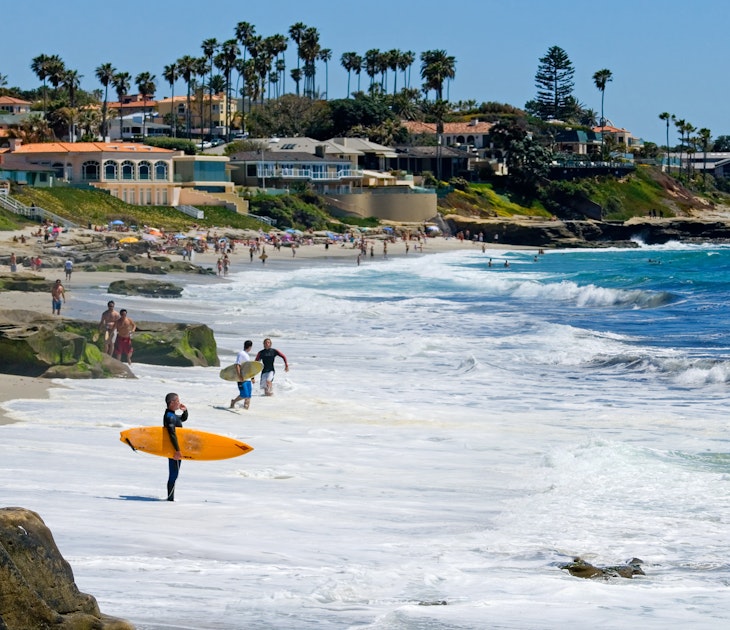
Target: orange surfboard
[(194, 444)]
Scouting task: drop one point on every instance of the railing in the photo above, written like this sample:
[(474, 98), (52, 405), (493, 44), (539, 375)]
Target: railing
[(308, 173), (192, 211), (32, 212), (268, 220)]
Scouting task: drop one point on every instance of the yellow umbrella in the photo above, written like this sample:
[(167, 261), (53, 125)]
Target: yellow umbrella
[(129, 239)]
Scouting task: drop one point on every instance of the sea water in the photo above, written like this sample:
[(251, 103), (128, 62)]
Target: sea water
[(449, 434)]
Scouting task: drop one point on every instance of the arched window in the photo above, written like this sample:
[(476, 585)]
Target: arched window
[(460, 139), (90, 170), (145, 170), (127, 170), (110, 170), (161, 170)]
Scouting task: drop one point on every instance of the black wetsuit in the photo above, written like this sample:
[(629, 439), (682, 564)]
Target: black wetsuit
[(170, 421), (267, 357)]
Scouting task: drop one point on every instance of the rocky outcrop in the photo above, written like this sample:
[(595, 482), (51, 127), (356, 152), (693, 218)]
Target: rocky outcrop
[(32, 344), (24, 282), (37, 588), (148, 288), (580, 568), (540, 233)]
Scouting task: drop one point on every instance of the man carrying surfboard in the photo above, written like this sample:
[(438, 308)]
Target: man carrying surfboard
[(267, 356), (245, 386), (170, 421)]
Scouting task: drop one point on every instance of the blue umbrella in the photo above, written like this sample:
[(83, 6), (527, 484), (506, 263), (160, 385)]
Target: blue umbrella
[(117, 222), (180, 235)]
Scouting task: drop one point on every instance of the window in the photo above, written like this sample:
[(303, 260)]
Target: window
[(145, 170), (90, 170), (127, 170), (161, 171), (110, 170)]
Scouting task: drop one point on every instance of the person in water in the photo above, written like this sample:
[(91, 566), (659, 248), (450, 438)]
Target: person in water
[(267, 356)]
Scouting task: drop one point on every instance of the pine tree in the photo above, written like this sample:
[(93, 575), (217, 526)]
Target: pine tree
[(554, 82)]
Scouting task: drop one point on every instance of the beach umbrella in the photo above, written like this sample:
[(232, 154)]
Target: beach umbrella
[(129, 239), (432, 228), (179, 236), (117, 222), (293, 231), (149, 237)]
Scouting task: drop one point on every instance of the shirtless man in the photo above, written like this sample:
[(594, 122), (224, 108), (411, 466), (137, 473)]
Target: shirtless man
[(57, 294), (108, 318), (124, 328)]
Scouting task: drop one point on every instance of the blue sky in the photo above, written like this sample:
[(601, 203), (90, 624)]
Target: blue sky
[(664, 55)]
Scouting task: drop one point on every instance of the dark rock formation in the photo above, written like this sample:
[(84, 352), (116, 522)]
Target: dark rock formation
[(148, 288), (37, 588), (580, 568), (24, 282), (540, 233), (32, 344)]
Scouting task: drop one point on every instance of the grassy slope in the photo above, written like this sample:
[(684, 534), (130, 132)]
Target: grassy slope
[(91, 206)]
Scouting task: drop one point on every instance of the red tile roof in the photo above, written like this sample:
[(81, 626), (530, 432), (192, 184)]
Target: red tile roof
[(89, 147)]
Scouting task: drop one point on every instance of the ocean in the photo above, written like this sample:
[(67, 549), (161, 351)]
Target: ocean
[(449, 434)]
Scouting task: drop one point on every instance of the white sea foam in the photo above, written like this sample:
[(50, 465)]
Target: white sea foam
[(436, 440)]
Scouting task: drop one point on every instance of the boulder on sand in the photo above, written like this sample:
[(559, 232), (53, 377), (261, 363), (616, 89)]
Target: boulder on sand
[(148, 288)]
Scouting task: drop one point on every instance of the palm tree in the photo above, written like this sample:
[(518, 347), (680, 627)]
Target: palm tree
[(72, 82), (39, 66), (347, 61), (170, 74), (296, 75), (187, 69), (601, 78), (370, 64), (121, 82), (667, 117), (689, 128), (325, 54), (436, 67), (296, 32), (56, 70), (309, 49), (393, 62), (704, 136), (226, 61), (209, 47), (105, 74), (245, 32), (146, 86), (404, 64)]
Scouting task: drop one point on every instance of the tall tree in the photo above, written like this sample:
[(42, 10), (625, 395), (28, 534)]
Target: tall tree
[(71, 80), (105, 74), (245, 31), (704, 135), (40, 67), (170, 74), (600, 79), (325, 54), (121, 82), (187, 69), (554, 82), (666, 116), (370, 64), (347, 61), (210, 46), (309, 49), (296, 32), (146, 86), (226, 61), (436, 67), (404, 64)]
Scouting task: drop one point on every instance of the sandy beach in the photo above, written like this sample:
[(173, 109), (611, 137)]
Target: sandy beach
[(14, 387)]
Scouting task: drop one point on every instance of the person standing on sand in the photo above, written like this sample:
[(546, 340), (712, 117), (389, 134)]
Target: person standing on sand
[(267, 356), (106, 325), (13, 263), (171, 421), (68, 267), (245, 387), (57, 294), (124, 328)]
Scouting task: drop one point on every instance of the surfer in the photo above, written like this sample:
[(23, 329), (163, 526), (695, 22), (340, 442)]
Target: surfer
[(124, 328), (171, 421), (106, 325), (245, 387), (267, 356), (57, 294)]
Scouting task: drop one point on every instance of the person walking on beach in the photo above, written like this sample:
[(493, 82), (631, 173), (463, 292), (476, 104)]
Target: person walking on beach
[(57, 294), (267, 356), (124, 328), (68, 267), (171, 421), (13, 263), (245, 387), (106, 325)]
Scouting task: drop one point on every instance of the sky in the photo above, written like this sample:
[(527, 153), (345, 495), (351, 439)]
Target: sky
[(665, 55)]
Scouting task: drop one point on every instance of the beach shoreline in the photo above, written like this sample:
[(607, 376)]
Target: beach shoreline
[(304, 255)]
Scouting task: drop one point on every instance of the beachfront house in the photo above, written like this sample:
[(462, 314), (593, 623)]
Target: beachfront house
[(135, 173), (203, 107)]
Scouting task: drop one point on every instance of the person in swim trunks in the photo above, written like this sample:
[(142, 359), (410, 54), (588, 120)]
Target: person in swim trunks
[(124, 328), (57, 294), (267, 356)]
